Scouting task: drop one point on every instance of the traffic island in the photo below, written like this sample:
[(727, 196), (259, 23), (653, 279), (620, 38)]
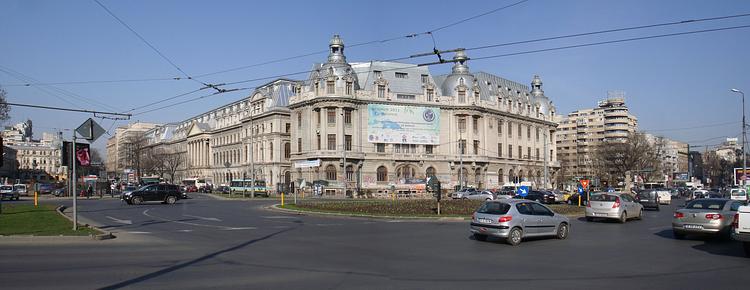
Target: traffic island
[(425, 209), (42, 220)]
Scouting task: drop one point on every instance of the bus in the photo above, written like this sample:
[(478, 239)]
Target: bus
[(198, 183), (244, 185), (146, 180)]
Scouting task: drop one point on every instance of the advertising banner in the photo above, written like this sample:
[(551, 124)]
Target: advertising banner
[(403, 124), (307, 163), (738, 176)]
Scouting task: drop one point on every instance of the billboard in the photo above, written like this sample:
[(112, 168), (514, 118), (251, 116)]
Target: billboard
[(82, 156), (738, 176), (403, 124)]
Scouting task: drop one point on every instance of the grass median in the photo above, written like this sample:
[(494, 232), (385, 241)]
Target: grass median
[(408, 208), (25, 219)]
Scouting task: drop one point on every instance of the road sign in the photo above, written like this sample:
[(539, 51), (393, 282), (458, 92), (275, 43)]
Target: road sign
[(580, 189), (585, 183), (90, 130), (523, 191), (610, 189)]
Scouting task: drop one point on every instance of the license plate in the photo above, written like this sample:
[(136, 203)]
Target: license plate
[(693, 227), (485, 221), (644, 200)]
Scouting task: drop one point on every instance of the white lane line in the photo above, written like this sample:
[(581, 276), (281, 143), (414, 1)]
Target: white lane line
[(145, 212), (184, 231), (127, 222), (138, 233), (203, 218), (240, 228)]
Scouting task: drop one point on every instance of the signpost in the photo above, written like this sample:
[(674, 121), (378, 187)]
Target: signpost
[(580, 193), (433, 184), (90, 131), (523, 191)]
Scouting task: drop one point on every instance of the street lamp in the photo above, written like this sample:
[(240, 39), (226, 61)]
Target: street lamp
[(744, 138)]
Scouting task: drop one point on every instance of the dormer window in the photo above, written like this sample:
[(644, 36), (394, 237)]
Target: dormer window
[(462, 95), (349, 88), (476, 95), (381, 91), (425, 78), (430, 95), (378, 74), (400, 75), (330, 86)]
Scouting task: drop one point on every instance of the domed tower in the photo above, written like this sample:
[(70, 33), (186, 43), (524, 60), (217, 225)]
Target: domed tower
[(538, 98), (460, 84), (335, 76)]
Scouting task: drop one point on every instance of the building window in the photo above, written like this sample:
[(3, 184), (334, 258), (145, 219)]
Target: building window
[(528, 132), (462, 146), (520, 132), (510, 129), (406, 97), (461, 96), (331, 115), (349, 173), (299, 120), (400, 75), (319, 141), (396, 148), (348, 142), (428, 149), (380, 147), (299, 144), (330, 172), (499, 149), (510, 151), (381, 91), (537, 134), (349, 87), (425, 78), (270, 150), (287, 151), (331, 141), (330, 87), (537, 153), (462, 124), (528, 152), (288, 127), (347, 116), (500, 177), (475, 124), (430, 171), (378, 74), (476, 147), (520, 152), (499, 127), (382, 173), (430, 95)]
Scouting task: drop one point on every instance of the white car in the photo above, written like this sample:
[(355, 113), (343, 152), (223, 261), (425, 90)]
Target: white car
[(21, 189), (479, 195), (664, 196), (463, 193), (738, 194)]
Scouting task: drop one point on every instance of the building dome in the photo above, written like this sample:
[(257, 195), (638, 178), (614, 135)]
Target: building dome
[(460, 77), (335, 68), (538, 98)]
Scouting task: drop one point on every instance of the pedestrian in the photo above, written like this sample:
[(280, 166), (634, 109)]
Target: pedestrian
[(89, 191)]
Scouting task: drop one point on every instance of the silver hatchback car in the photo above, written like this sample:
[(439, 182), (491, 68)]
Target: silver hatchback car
[(613, 205), (515, 219)]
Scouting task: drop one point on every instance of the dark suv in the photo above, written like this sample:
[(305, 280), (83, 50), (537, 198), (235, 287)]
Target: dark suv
[(648, 198), (166, 193)]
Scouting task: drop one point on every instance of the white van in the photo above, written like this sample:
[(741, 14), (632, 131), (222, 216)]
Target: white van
[(664, 196), (738, 194), (21, 189)]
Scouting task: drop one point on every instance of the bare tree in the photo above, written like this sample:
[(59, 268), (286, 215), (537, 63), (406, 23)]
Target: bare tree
[(135, 145), (614, 159), (171, 162), (4, 108)]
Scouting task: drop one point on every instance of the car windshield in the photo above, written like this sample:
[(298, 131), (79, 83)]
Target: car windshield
[(604, 197), (5, 187), (737, 192), (130, 188), (706, 204), (646, 194), (494, 208)]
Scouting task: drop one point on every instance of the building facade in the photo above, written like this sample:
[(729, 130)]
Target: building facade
[(123, 147), (32, 160), (581, 131)]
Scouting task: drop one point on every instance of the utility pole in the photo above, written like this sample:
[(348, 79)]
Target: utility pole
[(252, 156), (343, 137), (744, 140), (461, 149), (690, 164), (546, 169), (75, 180)]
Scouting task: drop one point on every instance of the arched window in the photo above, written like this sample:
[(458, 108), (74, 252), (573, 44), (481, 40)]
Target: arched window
[(382, 173), (331, 172), (500, 177), (463, 176), (511, 177), (430, 171), (520, 176)]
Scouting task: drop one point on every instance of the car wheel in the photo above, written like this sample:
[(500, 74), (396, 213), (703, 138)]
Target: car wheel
[(623, 217), (562, 231), (487, 199), (464, 198), (640, 215), (678, 235), (480, 237), (136, 200), (171, 199), (514, 237)]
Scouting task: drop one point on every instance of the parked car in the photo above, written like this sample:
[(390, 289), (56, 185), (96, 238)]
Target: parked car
[(573, 199), (21, 189), (706, 216), (741, 228), (540, 196), (462, 193), (648, 199), (223, 189), (515, 219), (479, 195), (60, 192), (166, 193), (613, 205), (501, 195), (7, 192), (738, 194), (559, 195)]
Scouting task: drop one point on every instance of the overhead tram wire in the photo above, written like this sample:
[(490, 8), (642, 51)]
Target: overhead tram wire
[(690, 128), (380, 41), (191, 100), (164, 100), (94, 82), (66, 109)]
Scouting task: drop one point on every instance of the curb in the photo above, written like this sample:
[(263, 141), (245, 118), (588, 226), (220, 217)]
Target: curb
[(107, 236), (426, 219)]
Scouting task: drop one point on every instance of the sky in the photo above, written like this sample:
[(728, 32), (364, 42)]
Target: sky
[(677, 87)]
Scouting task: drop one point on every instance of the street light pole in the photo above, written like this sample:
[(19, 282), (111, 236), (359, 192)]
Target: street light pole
[(744, 138)]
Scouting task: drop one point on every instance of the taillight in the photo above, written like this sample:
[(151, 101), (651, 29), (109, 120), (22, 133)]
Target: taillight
[(679, 215), (713, 216), (736, 221), (505, 219), (617, 203)]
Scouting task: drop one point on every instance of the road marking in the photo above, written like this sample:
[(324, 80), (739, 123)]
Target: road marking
[(240, 228), (145, 212), (127, 222), (184, 231), (138, 232), (202, 218)]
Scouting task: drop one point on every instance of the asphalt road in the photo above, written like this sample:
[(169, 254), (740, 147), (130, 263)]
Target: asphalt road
[(203, 242)]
